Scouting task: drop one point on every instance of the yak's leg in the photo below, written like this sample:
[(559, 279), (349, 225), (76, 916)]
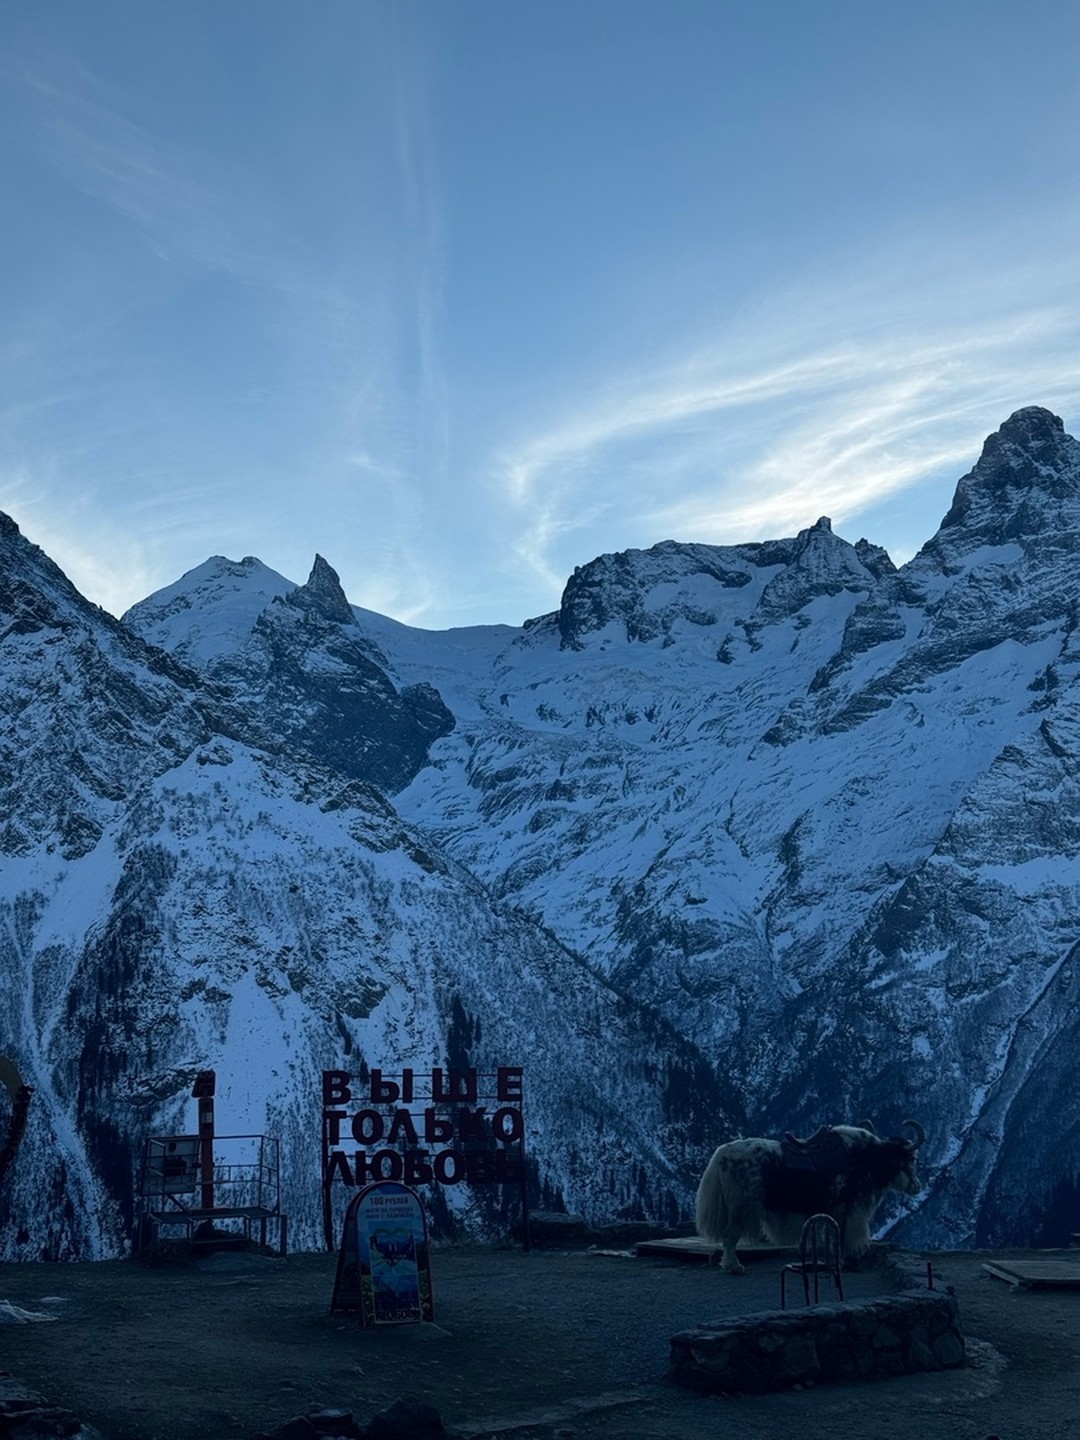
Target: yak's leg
[(732, 1264)]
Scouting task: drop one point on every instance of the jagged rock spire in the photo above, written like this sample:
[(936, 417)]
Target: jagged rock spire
[(324, 595)]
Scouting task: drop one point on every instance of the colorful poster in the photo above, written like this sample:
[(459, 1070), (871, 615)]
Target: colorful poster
[(384, 1268)]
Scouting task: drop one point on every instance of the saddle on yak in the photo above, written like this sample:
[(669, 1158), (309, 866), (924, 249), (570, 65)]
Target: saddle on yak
[(823, 1153)]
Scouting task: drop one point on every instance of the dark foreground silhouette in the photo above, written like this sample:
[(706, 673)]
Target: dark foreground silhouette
[(539, 1345)]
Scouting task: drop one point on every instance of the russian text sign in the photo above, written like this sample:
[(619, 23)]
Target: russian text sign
[(445, 1126)]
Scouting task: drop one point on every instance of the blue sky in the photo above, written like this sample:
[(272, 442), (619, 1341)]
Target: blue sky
[(462, 293)]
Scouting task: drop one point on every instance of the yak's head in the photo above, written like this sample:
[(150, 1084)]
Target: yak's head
[(901, 1153), (891, 1162)]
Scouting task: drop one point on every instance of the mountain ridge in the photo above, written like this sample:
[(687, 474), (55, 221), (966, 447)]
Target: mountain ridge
[(790, 826)]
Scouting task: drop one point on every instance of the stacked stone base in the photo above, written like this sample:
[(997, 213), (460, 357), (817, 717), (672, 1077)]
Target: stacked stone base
[(851, 1340)]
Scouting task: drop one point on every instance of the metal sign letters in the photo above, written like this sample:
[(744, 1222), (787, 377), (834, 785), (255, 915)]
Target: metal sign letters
[(445, 1126)]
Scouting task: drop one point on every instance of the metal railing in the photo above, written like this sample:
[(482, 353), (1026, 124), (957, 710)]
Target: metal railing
[(185, 1183)]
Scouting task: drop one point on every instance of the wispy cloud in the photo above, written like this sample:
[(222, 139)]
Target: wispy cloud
[(422, 232), (778, 421), (243, 349), (86, 544), (347, 400), (194, 207), (166, 189)]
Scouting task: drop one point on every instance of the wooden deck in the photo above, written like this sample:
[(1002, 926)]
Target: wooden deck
[(697, 1251), (1036, 1274)]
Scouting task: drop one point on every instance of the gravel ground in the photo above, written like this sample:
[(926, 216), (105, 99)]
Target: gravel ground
[(539, 1346)]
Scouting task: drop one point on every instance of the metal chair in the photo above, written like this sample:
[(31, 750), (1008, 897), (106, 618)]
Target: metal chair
[(819, 1254)]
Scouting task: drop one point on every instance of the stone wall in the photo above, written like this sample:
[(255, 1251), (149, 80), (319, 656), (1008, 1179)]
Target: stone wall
[(851, 1340)]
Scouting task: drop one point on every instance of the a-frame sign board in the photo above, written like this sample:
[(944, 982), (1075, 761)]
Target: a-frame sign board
[(384, 1265)]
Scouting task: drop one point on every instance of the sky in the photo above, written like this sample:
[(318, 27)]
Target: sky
[(462, 293)]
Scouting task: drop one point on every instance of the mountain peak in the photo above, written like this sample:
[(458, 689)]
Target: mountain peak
[(1027, 468), (821, 564), (198, 616), (1031, 425), (324, 595), (1026, 445)]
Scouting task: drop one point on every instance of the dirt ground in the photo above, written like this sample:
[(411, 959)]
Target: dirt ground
[(539, 1346)]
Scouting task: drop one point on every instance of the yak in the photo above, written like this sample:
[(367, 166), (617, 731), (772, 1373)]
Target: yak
[(754, 1186)]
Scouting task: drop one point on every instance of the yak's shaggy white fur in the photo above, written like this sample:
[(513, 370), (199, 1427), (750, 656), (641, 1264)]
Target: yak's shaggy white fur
[(748, 1192)]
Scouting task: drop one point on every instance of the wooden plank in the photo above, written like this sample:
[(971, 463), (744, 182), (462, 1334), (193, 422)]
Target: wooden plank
[(692, 1248), (1036, 1274), (688, 1248)]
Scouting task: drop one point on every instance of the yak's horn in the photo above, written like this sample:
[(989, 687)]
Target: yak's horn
[(867, 1125), (920, 1133)]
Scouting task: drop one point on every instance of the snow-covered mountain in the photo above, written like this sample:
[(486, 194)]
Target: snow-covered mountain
[(185, 886), (740, 838)]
